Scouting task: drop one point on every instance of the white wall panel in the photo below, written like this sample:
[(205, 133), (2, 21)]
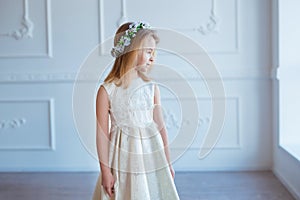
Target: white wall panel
[(27, 124), (238, 43), (230, 137), (207, 22), (245, 140), (27, 33), (45, 138)]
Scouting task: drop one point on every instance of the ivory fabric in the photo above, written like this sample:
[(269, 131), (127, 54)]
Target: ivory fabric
[(136, 157)]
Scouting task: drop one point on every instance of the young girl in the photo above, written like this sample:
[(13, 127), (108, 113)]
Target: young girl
[(133, 153)]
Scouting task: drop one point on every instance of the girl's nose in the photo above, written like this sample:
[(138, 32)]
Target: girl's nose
[(151, 58)]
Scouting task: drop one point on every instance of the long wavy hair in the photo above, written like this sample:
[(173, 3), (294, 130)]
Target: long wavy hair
[(128, 59)]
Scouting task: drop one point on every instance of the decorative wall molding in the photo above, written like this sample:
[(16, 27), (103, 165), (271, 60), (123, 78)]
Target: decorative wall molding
[(238, 144), (101, 25), (209, 27), (21, 122), (173, 122), (237, 42), (49, 28), (212, 25), (123, 17), (71, 77), (170, 119), (26, 26), (26, 31), (41, 77), (12, 123)]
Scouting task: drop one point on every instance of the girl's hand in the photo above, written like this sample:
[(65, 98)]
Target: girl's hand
[(172, 171), (108, 182)]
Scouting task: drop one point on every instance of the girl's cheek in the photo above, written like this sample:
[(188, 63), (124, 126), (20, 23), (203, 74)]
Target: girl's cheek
[(148, 56), (145, 58)]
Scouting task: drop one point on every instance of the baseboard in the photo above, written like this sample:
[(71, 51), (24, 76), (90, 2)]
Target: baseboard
[(286, 183), (55, 169), (97, 169), (223, 169)]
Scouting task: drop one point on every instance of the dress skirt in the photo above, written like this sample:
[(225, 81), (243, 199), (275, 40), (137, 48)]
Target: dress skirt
[(139, 166)]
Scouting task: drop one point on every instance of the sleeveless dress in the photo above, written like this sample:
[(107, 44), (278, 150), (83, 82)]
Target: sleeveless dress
[(136, 155)]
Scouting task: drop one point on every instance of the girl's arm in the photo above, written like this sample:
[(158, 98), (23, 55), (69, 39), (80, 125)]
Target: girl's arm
[(102, 139), (158, 118)]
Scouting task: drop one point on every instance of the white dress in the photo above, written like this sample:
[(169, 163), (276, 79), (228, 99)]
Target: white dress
[(136, 157)]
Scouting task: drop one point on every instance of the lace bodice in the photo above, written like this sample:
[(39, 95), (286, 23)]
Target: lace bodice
[(132, 106)]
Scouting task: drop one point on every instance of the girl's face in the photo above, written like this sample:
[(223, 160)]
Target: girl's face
[(146, 55)]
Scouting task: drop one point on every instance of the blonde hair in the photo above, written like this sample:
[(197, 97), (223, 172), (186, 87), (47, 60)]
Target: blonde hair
[(128, 59)]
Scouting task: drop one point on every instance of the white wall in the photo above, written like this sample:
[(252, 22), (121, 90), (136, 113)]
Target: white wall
[(37, 131), (286, 96)]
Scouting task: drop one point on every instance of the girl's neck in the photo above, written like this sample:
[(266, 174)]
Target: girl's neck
[(133, 74)]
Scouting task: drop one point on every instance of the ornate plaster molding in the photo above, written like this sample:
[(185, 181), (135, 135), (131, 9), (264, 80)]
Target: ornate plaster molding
[(12, 123), (26, 27), (212, 24)]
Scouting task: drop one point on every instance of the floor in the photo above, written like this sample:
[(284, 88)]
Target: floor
[(191, 186)]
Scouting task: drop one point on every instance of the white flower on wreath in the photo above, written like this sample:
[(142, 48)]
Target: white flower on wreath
[(125, 39)]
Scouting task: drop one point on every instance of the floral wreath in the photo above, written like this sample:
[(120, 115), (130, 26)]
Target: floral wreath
[(127, 37)]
